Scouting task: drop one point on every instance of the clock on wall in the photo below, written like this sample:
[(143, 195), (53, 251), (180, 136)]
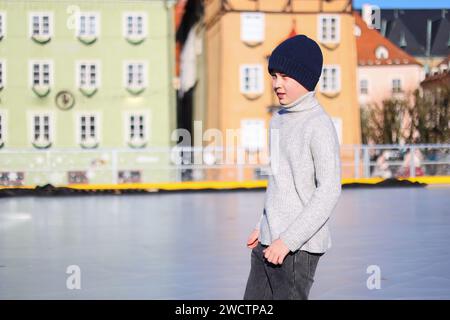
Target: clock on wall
[(64, 100)]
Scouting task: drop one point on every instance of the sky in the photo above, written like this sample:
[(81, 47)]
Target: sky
[(404, 4)]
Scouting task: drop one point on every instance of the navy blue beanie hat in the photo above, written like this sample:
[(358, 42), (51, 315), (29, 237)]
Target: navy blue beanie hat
[(300, 58)]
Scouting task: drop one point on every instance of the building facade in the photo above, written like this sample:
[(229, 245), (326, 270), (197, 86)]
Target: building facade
[(240, 36), (384, 70), (79, 79), (422, 33)]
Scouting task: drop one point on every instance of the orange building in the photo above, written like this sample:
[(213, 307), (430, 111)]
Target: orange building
[(225, 84), (240, 35)]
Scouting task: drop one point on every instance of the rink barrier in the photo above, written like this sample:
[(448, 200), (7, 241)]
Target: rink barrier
[(208, 185)]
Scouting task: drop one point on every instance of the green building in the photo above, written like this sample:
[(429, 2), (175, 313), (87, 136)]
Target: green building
[(86, 91)]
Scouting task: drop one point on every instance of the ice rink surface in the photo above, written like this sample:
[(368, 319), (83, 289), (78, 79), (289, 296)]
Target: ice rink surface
[(192, 245)]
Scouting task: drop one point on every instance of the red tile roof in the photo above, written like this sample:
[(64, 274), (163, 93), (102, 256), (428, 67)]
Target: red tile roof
[(293, 32), (179, 12), (370, 40)]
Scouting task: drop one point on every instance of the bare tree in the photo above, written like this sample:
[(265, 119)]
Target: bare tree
[(430, 116), (427, 112), (382, 124)]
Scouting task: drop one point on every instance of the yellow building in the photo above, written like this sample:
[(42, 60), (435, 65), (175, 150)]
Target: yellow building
[(239, 37)]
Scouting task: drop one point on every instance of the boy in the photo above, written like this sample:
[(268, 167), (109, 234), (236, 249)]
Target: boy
[(293, 233)]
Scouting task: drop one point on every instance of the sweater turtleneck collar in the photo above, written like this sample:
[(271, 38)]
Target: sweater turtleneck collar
[(305, 102)]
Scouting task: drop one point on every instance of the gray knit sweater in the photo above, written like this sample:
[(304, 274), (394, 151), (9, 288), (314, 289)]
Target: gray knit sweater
[(305, 179)]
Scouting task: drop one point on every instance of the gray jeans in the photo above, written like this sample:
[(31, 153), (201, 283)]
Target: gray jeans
[(292, 280)]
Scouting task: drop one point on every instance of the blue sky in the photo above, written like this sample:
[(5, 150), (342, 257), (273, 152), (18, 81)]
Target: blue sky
[(404, 4)]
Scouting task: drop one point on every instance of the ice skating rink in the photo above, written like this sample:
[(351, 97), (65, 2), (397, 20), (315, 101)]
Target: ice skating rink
[(192, 245)]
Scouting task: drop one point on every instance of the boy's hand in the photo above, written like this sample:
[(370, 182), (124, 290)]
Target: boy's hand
[(276, 252), (253, 239)]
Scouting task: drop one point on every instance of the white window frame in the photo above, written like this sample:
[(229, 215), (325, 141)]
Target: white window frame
[(257, 87), (127, 123), (380, 50), (247, 30), (40, 15), (247, 137), (88, 14), (401, 84), (326, 38), (3, 24), (144, 76), (2, 73), (51, 128), (3, 125), (356, 31), (361, 87), (338, 78), (134, 15), (98, 126), (31, 71), (89, 63)]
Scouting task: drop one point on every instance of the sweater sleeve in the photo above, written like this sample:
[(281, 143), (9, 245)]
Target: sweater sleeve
[(324, 148), (258, 224)]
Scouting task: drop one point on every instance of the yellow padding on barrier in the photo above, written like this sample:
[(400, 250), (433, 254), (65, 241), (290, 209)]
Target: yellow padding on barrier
[(199, 185), (431, 179), (185, 185)]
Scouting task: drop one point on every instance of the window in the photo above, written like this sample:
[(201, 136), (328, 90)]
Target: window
[(396, 85), (329, 28), (12, 178), (363, 87), (2, 24), (129, 176), (252, 27), (2, 73), (88, 74), (251, 78), (135, 74), (136, 126), (136, 129), (41, 126), (41, 129), (253, 134), (41, 25), (77, 177), (381, 53), (135, 24), (88, 130), (330, 80), (88, 24), (2, 128), (41, 73)]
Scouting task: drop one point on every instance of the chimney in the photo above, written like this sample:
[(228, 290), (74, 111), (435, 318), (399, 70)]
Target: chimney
[(428, 44), (371, 15)]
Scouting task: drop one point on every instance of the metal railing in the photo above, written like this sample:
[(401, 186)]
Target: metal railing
[(390, 161), (117, 166)]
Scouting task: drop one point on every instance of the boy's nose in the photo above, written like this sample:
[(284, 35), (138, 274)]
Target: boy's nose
[(277, 83)]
